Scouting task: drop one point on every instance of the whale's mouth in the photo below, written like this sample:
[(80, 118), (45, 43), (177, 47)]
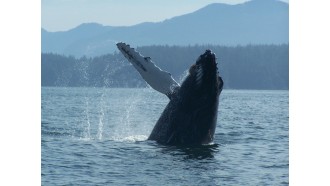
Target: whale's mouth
[(205, 70)]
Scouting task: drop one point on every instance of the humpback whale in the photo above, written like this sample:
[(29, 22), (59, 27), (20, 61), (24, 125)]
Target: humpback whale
[(190, 117)]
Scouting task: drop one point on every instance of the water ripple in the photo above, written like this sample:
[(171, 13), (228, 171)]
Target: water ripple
[(98, 137)]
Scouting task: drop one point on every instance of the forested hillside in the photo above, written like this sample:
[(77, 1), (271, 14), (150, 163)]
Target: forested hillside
[(242, 67)]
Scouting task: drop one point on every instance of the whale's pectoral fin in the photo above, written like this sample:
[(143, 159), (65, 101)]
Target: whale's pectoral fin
[(158, 79)]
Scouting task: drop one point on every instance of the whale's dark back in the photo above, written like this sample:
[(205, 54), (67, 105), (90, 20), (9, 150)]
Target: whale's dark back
[(191, 115)]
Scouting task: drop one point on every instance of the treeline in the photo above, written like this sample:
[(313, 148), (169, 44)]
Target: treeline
[(242, 67)]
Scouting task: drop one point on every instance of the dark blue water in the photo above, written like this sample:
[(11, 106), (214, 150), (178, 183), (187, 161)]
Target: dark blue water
[(97, 136)]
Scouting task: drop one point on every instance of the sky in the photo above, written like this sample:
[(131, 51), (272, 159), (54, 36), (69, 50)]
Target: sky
[(62, 15)]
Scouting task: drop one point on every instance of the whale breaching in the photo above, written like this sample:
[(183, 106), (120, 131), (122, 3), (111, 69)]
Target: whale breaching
[(191, 115)]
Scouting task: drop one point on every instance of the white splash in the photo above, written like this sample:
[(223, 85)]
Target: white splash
[(87, 133), (100, 127), (183, 76), (132, 139)]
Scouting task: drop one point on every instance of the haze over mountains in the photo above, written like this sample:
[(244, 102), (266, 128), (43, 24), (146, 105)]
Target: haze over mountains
[(253, 22)]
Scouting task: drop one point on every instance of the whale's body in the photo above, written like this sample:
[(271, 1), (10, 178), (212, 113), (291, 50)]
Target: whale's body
[(191, 115)]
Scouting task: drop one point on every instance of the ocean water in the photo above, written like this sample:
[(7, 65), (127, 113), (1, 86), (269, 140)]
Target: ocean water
[(97, 136)]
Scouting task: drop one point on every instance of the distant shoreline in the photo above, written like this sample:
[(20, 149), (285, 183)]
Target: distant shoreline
[(228, 89)]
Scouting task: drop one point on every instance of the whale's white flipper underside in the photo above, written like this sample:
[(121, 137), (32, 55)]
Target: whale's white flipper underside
[(158, 79)]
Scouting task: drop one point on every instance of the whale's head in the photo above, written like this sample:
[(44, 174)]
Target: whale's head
[(203, 78), (198, 100)]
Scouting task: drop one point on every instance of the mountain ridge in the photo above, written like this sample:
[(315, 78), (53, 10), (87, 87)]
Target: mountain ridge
[(252, 22)]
